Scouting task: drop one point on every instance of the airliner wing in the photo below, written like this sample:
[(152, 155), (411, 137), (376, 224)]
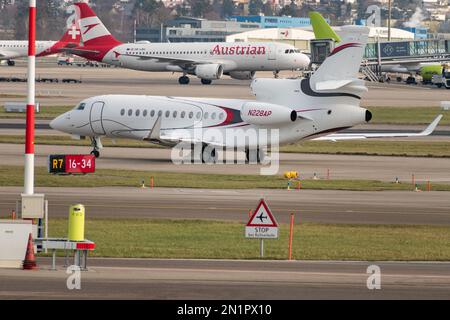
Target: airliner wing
[(355, 136), (183, 63), (176, 61)]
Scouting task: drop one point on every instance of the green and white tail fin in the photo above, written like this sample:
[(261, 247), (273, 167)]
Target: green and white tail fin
[(321, 28)]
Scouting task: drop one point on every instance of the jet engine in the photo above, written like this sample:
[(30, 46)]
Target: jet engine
[(210, 71), (267, 114), (242, 75)]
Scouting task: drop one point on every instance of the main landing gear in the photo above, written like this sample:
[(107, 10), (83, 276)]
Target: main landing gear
[(206, 81), (183, 79), (11, 63), (97, 145), (255, 155)]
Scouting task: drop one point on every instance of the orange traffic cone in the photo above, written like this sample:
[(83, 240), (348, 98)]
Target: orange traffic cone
[(30, 261)]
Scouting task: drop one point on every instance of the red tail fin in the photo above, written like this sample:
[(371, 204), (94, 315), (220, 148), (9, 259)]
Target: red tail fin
[(93, 32)]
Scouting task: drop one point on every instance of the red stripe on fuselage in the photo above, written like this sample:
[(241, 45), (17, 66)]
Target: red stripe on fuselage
[(345, 46)]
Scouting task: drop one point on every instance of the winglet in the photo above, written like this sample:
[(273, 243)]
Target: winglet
[(431, 127), (321, 28)]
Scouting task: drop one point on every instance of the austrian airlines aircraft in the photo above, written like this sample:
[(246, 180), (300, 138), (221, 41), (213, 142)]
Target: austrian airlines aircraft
[(13, 49), (208, 61), (307, 108)]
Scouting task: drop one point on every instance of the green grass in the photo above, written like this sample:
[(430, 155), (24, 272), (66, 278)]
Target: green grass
[(373, 147), (13, 176), (46, 112), (412, 115), (154, 238)]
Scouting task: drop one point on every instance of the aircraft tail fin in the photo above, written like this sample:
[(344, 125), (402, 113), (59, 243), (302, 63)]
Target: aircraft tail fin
[(321, 28), (93, 31), (71, 37), (341, 67)]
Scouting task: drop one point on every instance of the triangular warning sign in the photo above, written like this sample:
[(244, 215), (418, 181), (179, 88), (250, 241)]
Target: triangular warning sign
[(262, 217)]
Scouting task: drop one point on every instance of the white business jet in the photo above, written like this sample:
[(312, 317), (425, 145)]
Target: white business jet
[(306, 108)]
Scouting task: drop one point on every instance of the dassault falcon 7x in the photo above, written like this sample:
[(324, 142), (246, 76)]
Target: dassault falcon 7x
[(13, 49), (305, 108), (206, 60)]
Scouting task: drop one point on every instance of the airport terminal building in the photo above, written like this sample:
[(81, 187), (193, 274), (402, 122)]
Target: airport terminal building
[(187, 29)]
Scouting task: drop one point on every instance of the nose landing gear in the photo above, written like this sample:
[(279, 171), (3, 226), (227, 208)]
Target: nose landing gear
[(97, 145)]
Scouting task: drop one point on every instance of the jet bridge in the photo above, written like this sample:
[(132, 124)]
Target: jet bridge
[(403, 52)]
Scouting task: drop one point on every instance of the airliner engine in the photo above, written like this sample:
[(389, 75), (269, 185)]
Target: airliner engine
[(242, 75), (211, 71), (267, 114)]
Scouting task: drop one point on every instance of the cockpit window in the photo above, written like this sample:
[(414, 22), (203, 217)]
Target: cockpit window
[(80, 106)]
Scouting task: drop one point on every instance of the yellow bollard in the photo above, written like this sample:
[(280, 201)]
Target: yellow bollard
[(76, 223)]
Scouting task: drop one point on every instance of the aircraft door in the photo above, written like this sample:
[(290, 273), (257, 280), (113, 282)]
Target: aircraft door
[(272, 52), (96, 118)]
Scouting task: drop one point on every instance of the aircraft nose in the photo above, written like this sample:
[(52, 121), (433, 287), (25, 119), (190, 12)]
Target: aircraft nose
[(57, 123), (306, 61)]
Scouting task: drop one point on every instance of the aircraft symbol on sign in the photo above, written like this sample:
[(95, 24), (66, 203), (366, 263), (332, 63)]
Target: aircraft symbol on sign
[(262, 217)]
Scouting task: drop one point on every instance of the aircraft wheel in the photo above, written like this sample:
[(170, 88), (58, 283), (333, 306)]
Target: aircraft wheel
[(255, 155), (206, 81), (209, 154), (11, 63), (183, 80), (96, 153)]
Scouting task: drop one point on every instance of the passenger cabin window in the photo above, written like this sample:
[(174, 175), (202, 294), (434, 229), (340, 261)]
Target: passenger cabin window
[(183, 114), (167, 114), (152, 113), (122, 112), (137, 112), (159, 113), (145, 113), (130, 112)]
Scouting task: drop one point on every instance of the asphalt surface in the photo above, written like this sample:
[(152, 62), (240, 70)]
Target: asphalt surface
[(389, 207), (228, 279), (97, 81), (437, 170)]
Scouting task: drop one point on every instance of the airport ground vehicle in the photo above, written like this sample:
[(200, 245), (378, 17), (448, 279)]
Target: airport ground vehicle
[(63, 60), (442, 80)]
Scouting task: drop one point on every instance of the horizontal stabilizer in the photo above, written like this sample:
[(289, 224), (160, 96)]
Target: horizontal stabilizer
[(78, 51), (331, 84)]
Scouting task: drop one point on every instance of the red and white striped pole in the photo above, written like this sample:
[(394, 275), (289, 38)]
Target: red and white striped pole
[(29, 135)]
